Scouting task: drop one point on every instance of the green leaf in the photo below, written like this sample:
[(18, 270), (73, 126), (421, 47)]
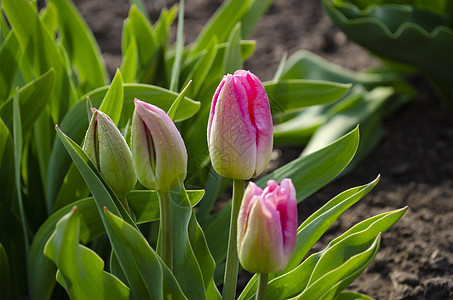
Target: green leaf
[(361, 235), (147, 46), (148, 276), (298, 129), (185, 264), (291, 95), (144, 204), (49, 18), (72, 188), (204, 257), (33, 99), (311, 230), (174, 107), (352, 296), (5, 281), (306, 65), (280, 68), (364, 108), (179, 48), (18, 148), (129, 63), (314, 227), (339, 276), (221, 23), (406, 27), (233, 60), (81, 46), (112, 103), (80, 270), (6, 165), (256, 10), (308, 174), (41, 52), (12, 240), (311, 172), (10, 54), (199, 71), (141, 7)]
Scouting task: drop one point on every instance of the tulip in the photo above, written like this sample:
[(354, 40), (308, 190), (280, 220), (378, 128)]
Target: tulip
[(159, 155), (107, 149), (240, 127), (267, 227)]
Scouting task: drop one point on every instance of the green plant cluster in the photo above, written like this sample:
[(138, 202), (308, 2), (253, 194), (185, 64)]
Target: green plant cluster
[(409, 35), (60, 221)]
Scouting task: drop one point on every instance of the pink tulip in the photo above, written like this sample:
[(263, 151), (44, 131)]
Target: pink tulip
[(240, 133), (159, 155), (267, 227)]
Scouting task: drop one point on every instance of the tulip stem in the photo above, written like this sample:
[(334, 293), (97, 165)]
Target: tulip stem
[(232, 263), (125, 205), (262, 285), (166, 229)]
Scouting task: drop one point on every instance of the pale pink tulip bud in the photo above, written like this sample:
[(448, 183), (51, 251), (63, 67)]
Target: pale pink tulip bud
[(108, 150), (240, 132), (267, 227), (159, 155)]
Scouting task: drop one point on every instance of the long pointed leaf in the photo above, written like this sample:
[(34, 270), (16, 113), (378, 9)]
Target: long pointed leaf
[(80, 270)]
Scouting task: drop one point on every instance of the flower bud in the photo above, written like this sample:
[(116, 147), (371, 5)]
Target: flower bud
[(267, 227), (240, 133), (159, 155), (107, 149)]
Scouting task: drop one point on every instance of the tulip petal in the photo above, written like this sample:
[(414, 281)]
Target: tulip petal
[(232, 143), (251, 191), (261, 249), (168, 163)]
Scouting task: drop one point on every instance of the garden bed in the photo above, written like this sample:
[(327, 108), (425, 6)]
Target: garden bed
[(414, 158)]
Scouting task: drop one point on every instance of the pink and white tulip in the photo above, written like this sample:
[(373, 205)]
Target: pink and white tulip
[(267, 227), (159, 155), (240, 132)]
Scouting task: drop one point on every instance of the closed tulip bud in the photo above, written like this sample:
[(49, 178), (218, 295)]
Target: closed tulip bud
[(267, 227), (159, 155), (240, 133), (107, 149)]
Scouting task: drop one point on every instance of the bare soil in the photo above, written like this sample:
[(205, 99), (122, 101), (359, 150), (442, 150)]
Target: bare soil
[(415, 157)]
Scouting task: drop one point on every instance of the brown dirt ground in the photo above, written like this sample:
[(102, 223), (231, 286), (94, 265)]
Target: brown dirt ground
[(414, 158)]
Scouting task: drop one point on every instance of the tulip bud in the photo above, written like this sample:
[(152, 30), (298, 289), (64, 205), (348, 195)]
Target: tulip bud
[(267, 227), (159, 155), (107, 149), (240, 127)]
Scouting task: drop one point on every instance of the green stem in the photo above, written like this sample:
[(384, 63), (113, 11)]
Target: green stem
[(125, 205), (262, 285), (166, 249), (231, 267)]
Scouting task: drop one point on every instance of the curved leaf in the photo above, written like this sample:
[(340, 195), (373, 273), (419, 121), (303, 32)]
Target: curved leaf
[(33, 99), (81, 46), (144, 204), (406, 27), (147, 274), (291, 95), (80, 270)]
